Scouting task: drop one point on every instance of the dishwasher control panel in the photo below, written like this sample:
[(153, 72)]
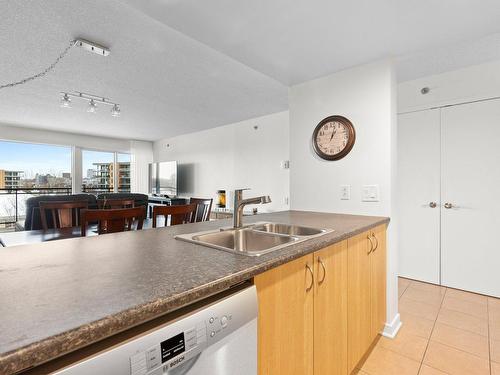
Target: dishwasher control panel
[(180, 348), (170, 352)]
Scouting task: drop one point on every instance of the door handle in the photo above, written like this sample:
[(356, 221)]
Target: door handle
[(324, 271), (432, 204), (371, 244), (312, 278), (448, 205), (376, 242)]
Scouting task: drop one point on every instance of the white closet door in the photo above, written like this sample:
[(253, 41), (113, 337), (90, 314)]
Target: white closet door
[(418, 187), (470, 246)]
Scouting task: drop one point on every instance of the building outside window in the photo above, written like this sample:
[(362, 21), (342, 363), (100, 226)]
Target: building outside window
[(10, 179), (103, 173), (123, 164)]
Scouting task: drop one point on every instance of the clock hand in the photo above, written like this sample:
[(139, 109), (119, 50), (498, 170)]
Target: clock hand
[(333, 133)]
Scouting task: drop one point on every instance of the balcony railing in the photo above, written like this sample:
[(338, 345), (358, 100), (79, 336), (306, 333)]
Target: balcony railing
[(96, 189), (13, 202)]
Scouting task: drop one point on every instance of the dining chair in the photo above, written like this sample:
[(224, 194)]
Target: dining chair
[(203, 208), (61, 214), (115, 203), (113, 220), (181, 214)]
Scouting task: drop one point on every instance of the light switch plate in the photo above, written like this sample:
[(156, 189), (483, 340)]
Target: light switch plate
[(345, 192), (370, 193)]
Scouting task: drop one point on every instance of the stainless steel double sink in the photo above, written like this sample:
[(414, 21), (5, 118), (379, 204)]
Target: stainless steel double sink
[(254, 239)]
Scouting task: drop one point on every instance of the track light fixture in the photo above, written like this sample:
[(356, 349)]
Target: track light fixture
[(93, 100)]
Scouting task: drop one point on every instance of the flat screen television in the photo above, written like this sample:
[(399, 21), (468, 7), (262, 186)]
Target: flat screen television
[(163, 178)]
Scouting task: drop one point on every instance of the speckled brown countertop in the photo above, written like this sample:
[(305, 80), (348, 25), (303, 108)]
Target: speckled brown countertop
[(56, 297)]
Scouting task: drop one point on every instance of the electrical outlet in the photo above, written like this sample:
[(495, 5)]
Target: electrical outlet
[(345, 192), (370, 193), (285, 164), (286, 200)]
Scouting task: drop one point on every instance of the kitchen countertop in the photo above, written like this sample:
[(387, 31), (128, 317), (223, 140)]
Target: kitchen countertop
[(57, 297)]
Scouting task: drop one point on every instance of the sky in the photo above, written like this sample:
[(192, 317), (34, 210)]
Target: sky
[(33, 159), (43, 159)]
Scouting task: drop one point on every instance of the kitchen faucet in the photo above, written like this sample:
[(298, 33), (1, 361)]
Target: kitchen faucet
[(240, 203)]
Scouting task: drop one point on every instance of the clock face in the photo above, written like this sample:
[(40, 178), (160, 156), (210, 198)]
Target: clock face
[(333, 138)]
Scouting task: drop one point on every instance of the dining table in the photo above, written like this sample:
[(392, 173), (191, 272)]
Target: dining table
[(8, 239)]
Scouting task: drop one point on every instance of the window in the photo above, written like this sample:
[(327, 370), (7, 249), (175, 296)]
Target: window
[(30, 169), (98, 172), (123, 167), (101, 174)]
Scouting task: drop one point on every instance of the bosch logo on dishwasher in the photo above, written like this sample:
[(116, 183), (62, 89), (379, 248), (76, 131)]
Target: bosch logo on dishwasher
[(176, 362)]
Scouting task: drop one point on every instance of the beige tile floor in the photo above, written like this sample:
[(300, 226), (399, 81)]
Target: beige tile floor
[(445, 331)]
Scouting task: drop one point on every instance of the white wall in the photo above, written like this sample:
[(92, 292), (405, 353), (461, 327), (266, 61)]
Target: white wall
[(233, 156), (463, 85), (367, 96), (23, 134), (142, 155), (141, 151)]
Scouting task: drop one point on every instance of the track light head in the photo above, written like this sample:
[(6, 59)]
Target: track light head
[(92, 106), (115, 111), (65, 101)]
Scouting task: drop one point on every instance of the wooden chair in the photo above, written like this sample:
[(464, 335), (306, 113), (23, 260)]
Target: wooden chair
[(114, 220), (203, 208), (115, 203), (178, 214), (62, 214)]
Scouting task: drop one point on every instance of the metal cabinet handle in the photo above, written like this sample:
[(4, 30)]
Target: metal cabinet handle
[(376, 241), (448, 205), (324, 271), (371, 243), (312, 278), (432, 204)]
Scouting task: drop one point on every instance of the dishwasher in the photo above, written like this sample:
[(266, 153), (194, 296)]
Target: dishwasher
[(217, 338)]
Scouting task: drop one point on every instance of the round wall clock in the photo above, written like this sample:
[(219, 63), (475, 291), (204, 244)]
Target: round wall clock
[(333, 138)]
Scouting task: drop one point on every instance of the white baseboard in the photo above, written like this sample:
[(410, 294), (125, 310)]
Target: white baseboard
[(392, 329)]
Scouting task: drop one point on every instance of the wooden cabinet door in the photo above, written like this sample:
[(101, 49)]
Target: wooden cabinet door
[(359, 328), (330, 310), (378, 280), (285, 324)]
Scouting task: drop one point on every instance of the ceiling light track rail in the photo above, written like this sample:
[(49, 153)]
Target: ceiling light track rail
[(93, 100), (89, 97)]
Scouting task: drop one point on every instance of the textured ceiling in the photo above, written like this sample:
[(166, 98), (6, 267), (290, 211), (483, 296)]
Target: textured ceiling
[(178, 66), (166, 82), (295, 41), (446, 58)]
